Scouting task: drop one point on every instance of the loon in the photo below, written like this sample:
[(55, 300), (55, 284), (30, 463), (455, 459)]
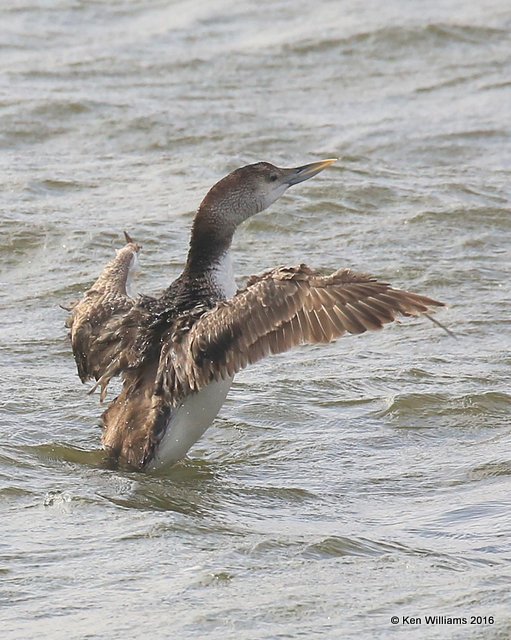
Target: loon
[(178, 353)]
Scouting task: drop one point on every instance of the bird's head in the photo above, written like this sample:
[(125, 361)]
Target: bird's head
[(254, 187)]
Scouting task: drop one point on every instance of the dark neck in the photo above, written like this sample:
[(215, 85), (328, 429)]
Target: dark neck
[(211, 239)]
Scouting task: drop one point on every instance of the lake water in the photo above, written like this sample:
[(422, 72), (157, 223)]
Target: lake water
[(341, 485)]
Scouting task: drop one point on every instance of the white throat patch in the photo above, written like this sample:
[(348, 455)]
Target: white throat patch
[(222, 275), (130, 280)]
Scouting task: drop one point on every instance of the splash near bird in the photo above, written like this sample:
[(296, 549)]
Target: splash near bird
[(178, 354)]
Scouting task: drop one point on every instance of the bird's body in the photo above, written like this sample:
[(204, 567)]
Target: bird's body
[(178, 354)]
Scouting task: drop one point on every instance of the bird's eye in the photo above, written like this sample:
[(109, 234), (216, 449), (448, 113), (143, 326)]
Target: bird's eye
[(273, 177)]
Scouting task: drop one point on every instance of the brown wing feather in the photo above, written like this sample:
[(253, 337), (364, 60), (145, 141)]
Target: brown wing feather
[(97, 321), (277, 311), (135, 421)]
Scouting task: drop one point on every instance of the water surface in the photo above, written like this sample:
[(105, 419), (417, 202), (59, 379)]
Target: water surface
[(341, 485)]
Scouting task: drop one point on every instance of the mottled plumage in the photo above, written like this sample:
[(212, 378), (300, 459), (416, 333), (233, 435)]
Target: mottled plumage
[(278, 310), (177, 354), (100, 313)]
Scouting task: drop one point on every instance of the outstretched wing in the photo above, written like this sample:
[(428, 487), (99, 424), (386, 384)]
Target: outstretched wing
[(99, 330), (281, 309)]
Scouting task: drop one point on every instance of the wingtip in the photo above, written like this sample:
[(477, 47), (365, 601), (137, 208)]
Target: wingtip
[(129, 240), (450, 333)]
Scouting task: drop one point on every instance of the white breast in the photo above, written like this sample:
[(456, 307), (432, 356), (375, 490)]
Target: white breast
[(189, 422)]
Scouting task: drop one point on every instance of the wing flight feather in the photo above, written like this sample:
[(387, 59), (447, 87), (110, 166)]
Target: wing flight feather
[(100, 334), (278, 310)]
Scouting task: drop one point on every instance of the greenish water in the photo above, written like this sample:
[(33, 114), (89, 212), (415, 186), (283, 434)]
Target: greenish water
[(341, 485)]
